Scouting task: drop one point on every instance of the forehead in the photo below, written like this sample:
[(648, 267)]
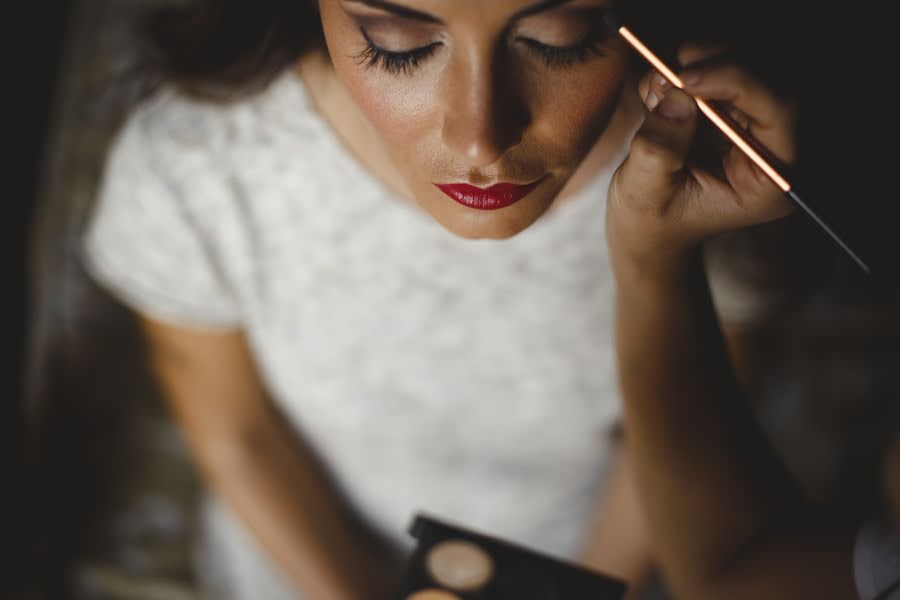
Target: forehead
[(482, 11)]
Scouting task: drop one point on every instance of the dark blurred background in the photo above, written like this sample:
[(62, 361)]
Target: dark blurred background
[(96, 490), (96, 486)]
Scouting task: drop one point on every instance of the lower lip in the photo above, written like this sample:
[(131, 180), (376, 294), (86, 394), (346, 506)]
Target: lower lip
[(492, 198)]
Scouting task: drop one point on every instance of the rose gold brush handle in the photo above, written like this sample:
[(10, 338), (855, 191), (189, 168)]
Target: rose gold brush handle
[(723, 125), (734, 134)]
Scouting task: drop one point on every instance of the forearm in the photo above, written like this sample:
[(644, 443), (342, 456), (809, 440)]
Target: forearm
[(707, 479), (280, 492), (725, 518), (251, 456), (616, 542)]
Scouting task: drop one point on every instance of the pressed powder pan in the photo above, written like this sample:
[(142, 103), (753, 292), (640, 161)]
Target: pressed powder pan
[(453, 563)]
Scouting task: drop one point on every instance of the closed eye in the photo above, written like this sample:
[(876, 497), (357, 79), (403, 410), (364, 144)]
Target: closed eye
[(564, 56), (404, 62), (391, 60)]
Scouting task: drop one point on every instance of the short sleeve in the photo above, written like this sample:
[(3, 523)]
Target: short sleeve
[(876, 562), (142, 242)]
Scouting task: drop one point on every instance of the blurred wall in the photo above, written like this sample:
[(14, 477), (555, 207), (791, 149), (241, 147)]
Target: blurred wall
[(109, 484), (30, 48)]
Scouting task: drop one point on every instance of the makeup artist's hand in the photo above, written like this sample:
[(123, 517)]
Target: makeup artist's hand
[(662, 204)]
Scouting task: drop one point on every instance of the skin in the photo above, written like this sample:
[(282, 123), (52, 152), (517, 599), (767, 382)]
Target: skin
[(250, 455), (483, 108), (725, 518)]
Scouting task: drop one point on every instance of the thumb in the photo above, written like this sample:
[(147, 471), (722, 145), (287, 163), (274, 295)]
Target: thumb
[(653, 171)]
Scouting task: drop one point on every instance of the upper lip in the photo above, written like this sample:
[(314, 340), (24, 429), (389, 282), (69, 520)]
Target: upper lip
[(488, 188), (493, 185), (498, 195)]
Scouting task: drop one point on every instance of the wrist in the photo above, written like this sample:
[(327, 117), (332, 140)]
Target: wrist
[(648, 261)]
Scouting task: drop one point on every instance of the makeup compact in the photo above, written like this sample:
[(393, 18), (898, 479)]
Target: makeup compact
[(452, 563)]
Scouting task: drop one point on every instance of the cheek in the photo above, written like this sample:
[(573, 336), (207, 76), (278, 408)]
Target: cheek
[(400, 113), (399, 108), (396, 106), (577, 107)]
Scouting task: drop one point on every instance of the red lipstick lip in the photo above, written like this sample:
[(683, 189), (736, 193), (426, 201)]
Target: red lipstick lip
[(495, 197)]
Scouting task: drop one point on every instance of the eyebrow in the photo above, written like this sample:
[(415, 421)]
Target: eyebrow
[(411, 13)]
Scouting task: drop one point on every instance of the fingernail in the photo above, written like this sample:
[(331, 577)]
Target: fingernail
[(660, 81), (674, 108), (652, 99)]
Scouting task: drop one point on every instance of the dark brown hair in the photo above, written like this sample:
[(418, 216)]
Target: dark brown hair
[(226, 49)]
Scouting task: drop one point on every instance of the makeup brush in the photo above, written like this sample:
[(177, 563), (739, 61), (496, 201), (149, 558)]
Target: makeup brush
[(755, 151)]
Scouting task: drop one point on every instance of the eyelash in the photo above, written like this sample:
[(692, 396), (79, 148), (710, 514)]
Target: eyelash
[(561, 57), (553, 56), (393, 62)]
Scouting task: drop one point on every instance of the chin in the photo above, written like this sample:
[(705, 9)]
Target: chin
[(488, 225)]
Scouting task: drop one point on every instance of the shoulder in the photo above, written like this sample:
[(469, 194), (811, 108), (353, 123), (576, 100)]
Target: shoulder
[(167, 125), (171, 126)]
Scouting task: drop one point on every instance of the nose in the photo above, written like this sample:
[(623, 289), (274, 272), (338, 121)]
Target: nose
[(485, 112)]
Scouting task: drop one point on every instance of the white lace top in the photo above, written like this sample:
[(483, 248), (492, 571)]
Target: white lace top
[(470, 379)]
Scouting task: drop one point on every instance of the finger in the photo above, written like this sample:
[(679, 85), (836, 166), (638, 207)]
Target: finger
[(717, 207), (771, 120), (644, 89), (756, 193), (654, 167), (692, 53), (653, 87), (738, 116), (745, 196)]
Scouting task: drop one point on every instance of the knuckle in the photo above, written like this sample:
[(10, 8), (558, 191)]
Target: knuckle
[(738, 80), (767, 200), (649, 153)]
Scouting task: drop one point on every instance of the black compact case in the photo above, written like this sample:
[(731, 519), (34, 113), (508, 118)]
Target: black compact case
[(455, 563)]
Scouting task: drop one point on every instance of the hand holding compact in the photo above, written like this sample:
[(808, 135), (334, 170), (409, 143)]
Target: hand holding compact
[(661, 205)]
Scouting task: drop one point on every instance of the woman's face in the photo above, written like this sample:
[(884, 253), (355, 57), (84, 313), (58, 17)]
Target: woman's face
[(468, 94)]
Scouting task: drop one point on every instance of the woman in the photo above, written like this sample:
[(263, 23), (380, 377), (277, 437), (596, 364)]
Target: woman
[(347, 326), (725, 517)]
